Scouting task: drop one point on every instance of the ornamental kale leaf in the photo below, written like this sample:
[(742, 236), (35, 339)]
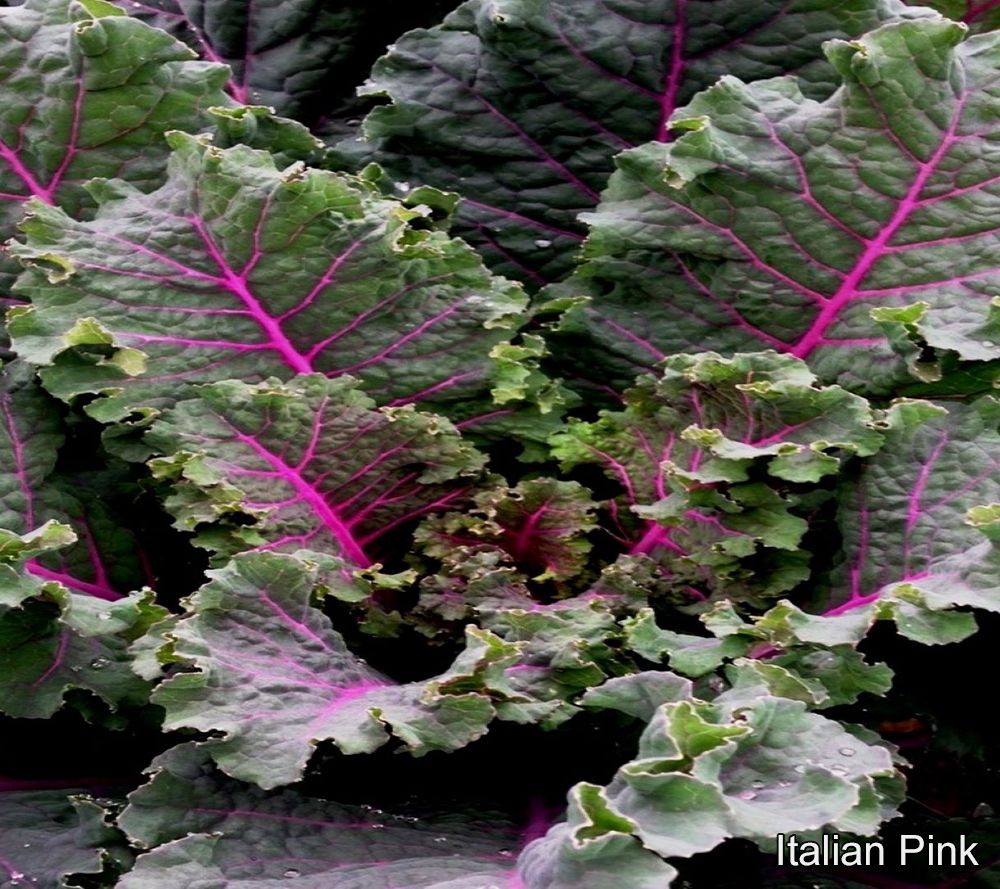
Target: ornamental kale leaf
[(332, 558)]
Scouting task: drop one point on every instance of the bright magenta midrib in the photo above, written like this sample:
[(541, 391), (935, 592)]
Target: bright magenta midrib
[(9, 867), (45, 193), (913, 510), (848, 290), (276, 336), (24, 174), (352, 550), (238, 286), (96, 560), (668, 101), (67, 580), (72, 149), (522, 541), (852, 604), (656, 536)]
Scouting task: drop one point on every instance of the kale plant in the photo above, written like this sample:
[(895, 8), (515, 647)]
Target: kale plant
[(559, 453)]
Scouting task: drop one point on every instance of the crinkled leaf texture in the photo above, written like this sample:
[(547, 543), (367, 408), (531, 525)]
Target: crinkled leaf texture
[(520, 105), (103, 559), (712, 458), (541, 525), (750, 764), (53, 640), (906, 518), (809, 658), (269, 673), (89, 92), (918, 524), (313, 461), (47, 836), (201, 825), (236, 269), (857, 233)]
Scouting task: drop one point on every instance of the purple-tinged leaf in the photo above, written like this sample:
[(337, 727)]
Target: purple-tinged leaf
[(47, 836), (88, 92), (200, 860), (235, 269), (273, 678), (31, 434), (691, 452), (856, 233), (980, 15), (52, 640), (246, 837), (313, 462), (520, 105), (908, 510), (540, 525), (104, 561)]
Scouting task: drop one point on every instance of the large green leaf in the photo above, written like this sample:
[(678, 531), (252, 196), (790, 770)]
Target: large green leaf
[(235, 269), (748, 765), (909, 508), (241, 836), (86, 92), (714, 459), (520, 105), (269, 672), (313, 462), (857, 233)]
